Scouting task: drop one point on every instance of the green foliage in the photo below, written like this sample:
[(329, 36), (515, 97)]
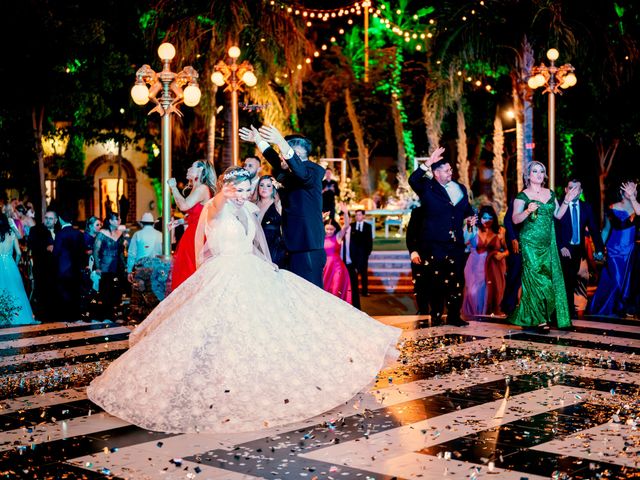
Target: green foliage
[(566, 139), (73, 160), (147, 19)]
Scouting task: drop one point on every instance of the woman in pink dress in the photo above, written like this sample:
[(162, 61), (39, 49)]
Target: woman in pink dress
[(335, 276), (201, 178)]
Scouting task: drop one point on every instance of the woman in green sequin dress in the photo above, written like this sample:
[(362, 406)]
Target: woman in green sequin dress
[(543, 293)]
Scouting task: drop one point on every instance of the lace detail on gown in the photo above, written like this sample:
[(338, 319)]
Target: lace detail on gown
[(241, 346)]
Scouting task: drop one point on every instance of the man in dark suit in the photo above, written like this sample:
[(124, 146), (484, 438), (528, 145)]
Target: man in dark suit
[(40, 242), (441, 243), (330, 191), (70, 259), (360, 247), (301, 197), (345, 254), (418, 273), (514, 264), (570, 235)]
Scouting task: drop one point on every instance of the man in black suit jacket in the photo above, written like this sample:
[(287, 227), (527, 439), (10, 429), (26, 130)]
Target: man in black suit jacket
[(301, 197), (441, 243), (360, 247), (70, 259), (570, 235), (40, 242), (418, 273), (514, 264)]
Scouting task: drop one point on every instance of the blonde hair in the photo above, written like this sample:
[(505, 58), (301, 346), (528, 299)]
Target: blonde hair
[(527, 172), (207, 176), (233, 175)]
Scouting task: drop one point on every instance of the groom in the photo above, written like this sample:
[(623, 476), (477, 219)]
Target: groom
[(301, 197)]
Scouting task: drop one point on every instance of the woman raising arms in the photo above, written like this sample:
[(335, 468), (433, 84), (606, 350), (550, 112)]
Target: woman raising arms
[(201, 178)]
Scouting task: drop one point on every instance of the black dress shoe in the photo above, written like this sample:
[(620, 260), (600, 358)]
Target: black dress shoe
[(458, 322), (543, 328)]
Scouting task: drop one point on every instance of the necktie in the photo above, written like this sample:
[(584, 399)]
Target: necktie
[(575, 225)]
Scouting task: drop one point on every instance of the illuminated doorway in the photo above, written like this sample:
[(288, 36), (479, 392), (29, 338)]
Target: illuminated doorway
[(109, 190)]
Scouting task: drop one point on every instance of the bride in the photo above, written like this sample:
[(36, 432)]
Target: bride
[(241, 345)]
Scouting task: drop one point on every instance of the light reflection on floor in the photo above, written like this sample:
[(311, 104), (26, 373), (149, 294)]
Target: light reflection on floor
[(483, 401)]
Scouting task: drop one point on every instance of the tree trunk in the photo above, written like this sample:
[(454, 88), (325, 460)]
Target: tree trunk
[(523, 110), (605, 160), (37, 118), (461, 143), (363, 150), (328, 135), (399, 131), (497, 182), (433, 113)]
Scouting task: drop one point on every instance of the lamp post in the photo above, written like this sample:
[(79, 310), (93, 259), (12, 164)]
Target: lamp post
[(553, 78), (234, 75), (169, 87)]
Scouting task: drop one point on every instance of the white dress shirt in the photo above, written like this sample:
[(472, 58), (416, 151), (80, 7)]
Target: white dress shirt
[(144, 243)]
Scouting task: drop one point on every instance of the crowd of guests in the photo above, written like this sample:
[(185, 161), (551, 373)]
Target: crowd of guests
[(535, 268), (464, 263)]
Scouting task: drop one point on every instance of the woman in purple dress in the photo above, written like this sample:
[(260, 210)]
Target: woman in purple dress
[(614, 293), (486, 268)]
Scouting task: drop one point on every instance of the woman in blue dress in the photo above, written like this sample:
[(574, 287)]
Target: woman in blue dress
[(613, 295), (15, 304)]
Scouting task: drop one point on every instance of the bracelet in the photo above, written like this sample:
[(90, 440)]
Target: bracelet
[(566, 203)]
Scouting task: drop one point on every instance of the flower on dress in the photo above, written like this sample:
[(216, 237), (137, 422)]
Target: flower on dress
[(9, 308)]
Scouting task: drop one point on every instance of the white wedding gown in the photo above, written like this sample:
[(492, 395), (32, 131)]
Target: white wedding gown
[(240, 346)]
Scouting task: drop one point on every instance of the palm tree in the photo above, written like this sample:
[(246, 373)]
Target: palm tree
[(272, 40)]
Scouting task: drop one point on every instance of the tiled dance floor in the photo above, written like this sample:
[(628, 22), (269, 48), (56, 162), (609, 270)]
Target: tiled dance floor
[(483, 401)]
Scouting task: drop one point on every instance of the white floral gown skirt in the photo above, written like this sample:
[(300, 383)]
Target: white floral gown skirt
[(240, 347)]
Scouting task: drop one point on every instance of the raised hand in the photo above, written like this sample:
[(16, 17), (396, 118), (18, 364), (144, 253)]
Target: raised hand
[(171, 182), (435, 156), (572, 194), (629, 190), (229, 191), (272, 135), (249, 134)]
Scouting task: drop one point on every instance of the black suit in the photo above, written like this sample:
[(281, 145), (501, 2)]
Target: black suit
[(418, 273), (564, 233), (514, 265), (302, 225), (360, 247), (70, 259), (353, 273), (441, 243), (39, 240)]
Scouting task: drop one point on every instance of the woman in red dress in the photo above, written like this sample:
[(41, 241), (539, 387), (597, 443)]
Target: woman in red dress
[(201, 178)]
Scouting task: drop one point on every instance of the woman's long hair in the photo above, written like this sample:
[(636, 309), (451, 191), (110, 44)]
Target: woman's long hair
[(207, 177), (495, 225), (5, 228)]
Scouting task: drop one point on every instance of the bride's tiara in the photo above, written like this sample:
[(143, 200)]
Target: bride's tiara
[(240, 172)]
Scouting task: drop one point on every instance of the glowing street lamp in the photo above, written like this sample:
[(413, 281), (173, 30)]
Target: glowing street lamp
[(235, 75), (554, 79), (172, 91)]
